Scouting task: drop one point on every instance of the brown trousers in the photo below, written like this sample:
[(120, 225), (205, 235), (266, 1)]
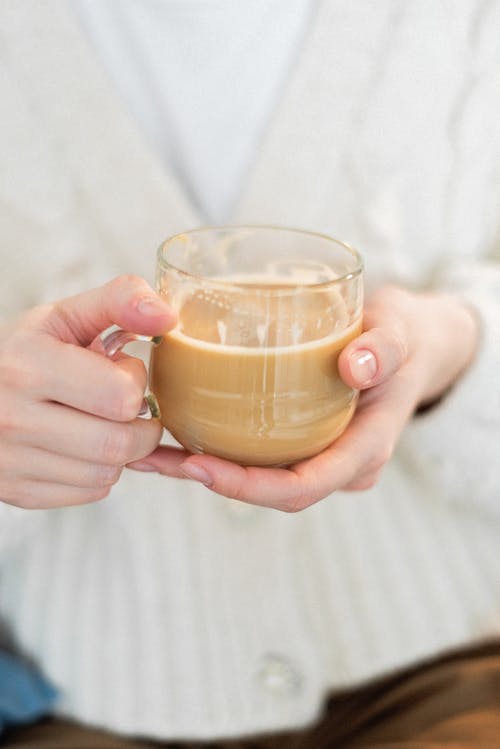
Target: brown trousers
[(453, 702)]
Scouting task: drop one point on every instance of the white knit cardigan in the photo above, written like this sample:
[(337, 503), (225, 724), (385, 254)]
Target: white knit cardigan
[(168, 611)]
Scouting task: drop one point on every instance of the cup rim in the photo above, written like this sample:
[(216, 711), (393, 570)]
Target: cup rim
[(220, 282)]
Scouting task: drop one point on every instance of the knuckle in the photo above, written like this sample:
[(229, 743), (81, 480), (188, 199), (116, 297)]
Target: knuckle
[(297, 504), (393, 295), (127, 398), (98, 494), (238, 492), (136, 376), (34, 317), (372, 480), (364, 483), (399, 345), (391, 342), (291, 507), (140, 376), (125, 280), (107, 476), (381, 454), (308, 491), (84, 497), (17, 372), (130, 406), (117, 446)]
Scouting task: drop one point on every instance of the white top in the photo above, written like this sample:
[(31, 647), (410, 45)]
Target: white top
[(166, 610), (201, 77)]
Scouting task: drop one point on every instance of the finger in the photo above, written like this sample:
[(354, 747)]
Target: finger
[(71, 433), (127, 301), (270, 487), (367, 444), (383, 348), (372, 358), (362, 483), (286, 489), (220, 475), (34, 495), (40, 465), (87, 381), (165, 460), (365, 447), (112, 390)]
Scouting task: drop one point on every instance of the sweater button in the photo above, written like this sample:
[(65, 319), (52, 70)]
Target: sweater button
[(278, 676)]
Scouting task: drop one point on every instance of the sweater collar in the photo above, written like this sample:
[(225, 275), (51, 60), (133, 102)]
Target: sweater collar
[(121, 175)]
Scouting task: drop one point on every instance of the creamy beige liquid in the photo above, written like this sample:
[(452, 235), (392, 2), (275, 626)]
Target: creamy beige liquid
[(261, 403)]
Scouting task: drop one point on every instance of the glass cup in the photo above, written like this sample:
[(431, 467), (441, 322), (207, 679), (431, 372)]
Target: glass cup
[(249, 373)]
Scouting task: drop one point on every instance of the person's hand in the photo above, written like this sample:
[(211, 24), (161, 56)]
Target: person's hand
[(413, 348), (68, 414)]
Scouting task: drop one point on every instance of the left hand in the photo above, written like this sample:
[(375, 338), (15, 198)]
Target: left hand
[(408, 355)]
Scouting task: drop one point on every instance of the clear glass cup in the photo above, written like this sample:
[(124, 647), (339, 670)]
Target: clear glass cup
[(250, 371)]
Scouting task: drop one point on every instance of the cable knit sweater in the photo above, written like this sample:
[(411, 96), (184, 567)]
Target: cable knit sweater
[(168, 611)]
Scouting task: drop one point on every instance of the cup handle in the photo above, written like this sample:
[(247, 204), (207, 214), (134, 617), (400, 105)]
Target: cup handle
[(111, 344)]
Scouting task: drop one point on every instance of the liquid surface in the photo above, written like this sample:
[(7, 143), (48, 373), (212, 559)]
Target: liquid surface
[(253, 377)]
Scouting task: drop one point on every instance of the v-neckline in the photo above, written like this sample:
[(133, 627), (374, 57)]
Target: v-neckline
[(130, 195), (107, 99), (297, 173)]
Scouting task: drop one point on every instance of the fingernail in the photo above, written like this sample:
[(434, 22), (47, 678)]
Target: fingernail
[(363, 366), (197, 473), (140, 465), (151, 306)]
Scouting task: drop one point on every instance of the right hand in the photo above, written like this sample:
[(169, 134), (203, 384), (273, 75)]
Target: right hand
[(68, 421)]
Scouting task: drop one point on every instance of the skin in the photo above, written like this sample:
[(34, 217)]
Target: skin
[(66, 445), (408, 356), (61, 445)]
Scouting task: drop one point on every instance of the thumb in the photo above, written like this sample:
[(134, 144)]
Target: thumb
[(127, 301), (382, 349), (372, 358)]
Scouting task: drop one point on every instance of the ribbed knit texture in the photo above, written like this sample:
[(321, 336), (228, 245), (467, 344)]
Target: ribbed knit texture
[(166, 610)]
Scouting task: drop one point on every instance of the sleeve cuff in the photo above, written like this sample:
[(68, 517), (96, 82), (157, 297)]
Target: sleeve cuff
[(456, 444)]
